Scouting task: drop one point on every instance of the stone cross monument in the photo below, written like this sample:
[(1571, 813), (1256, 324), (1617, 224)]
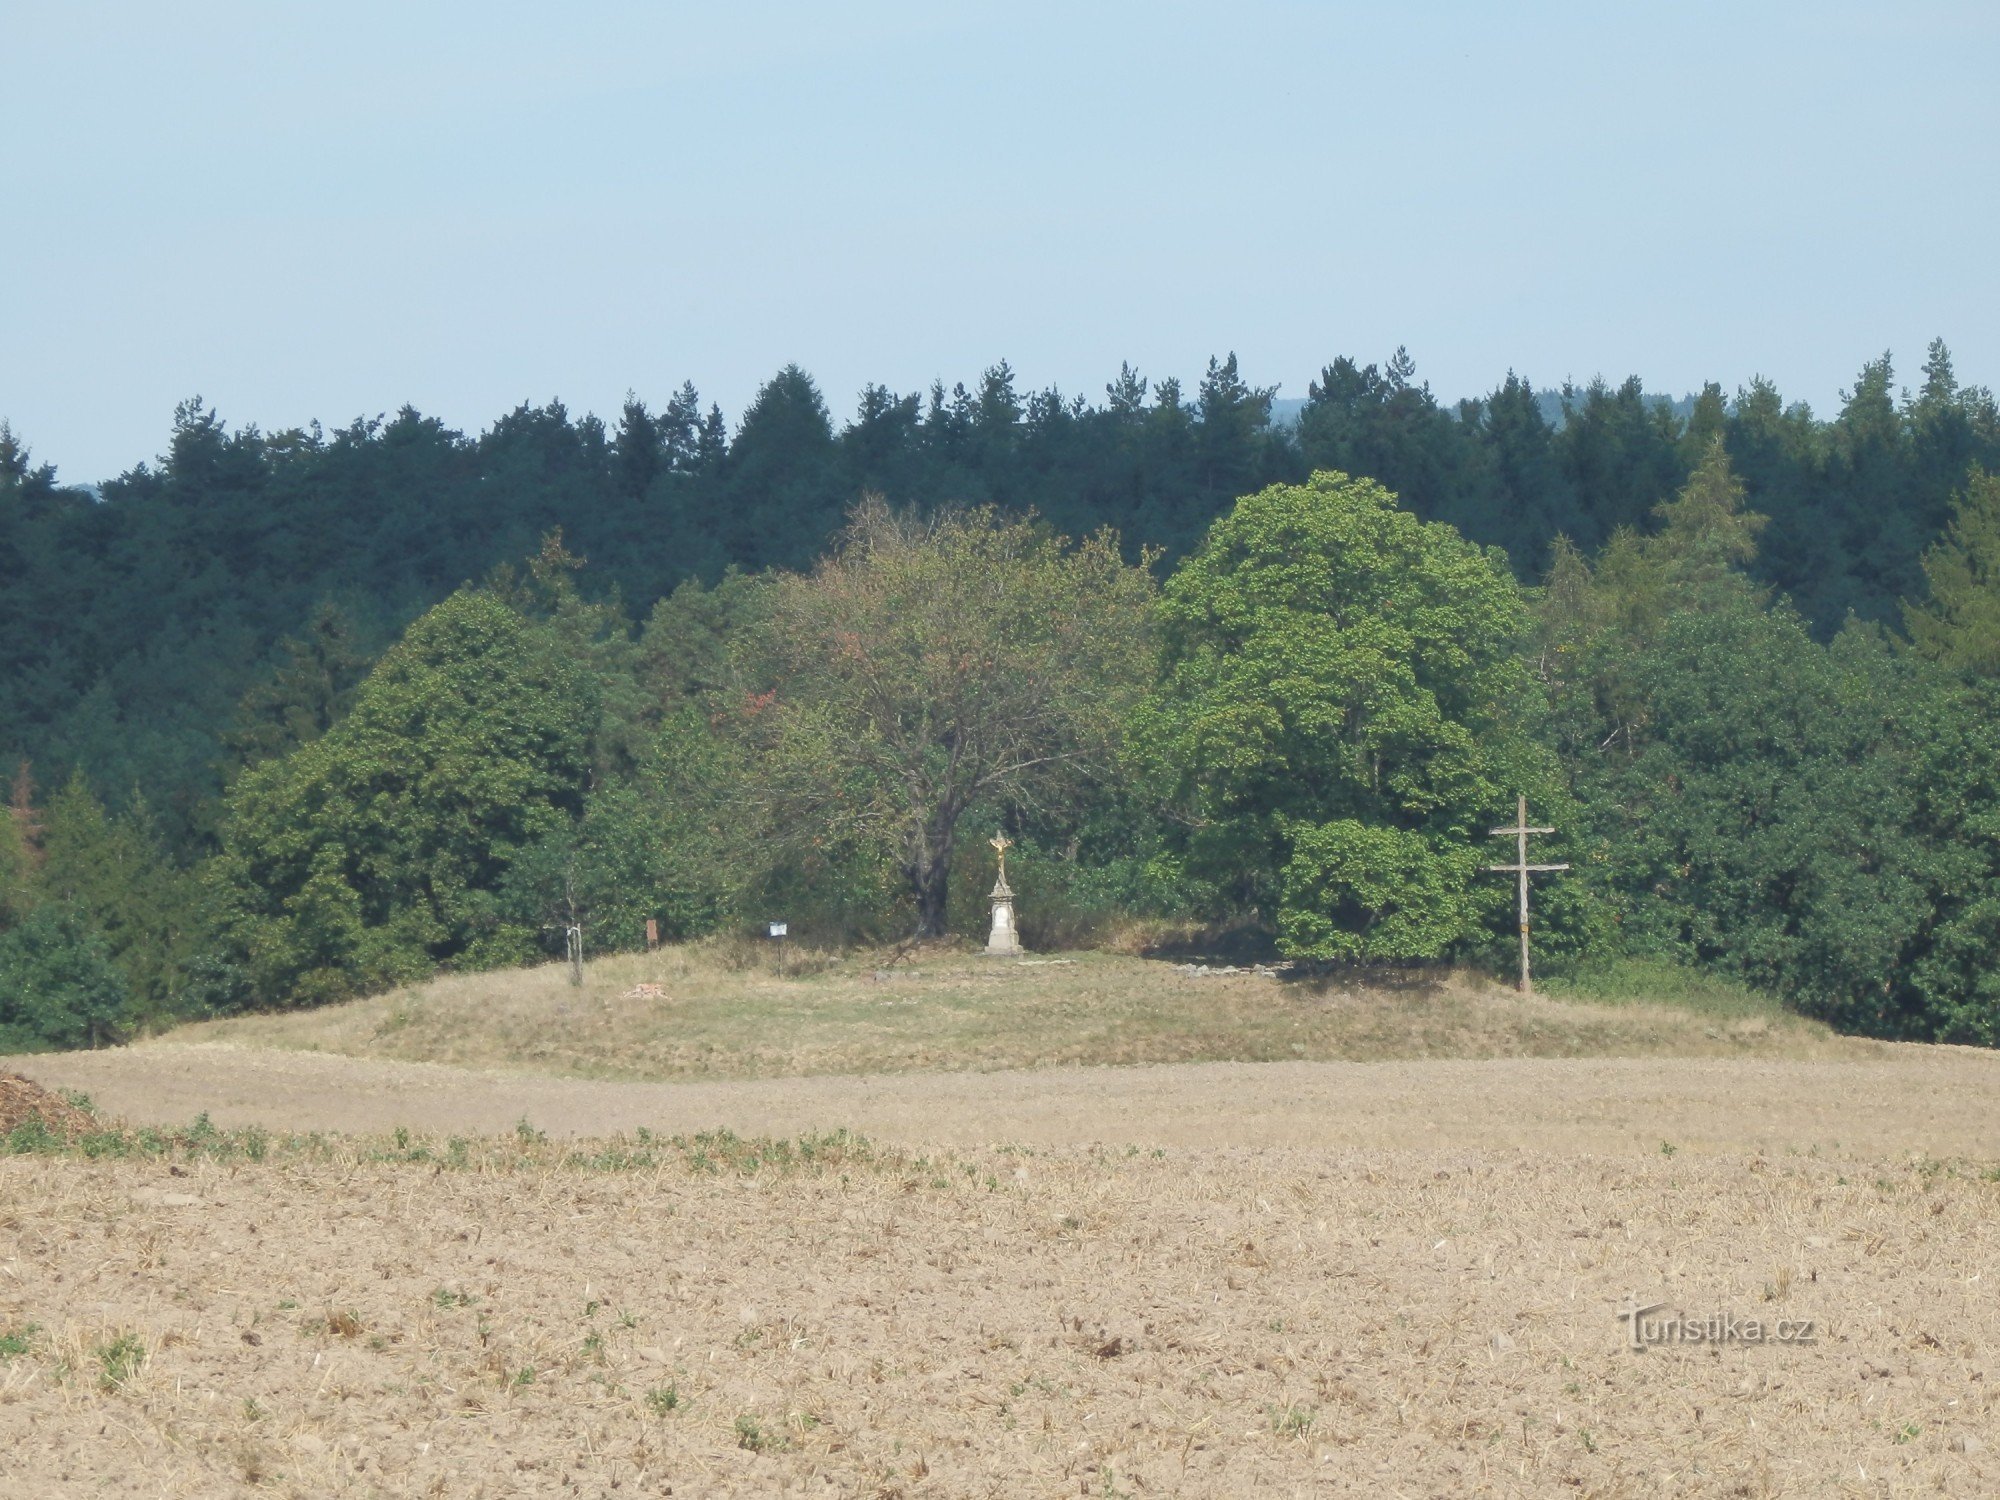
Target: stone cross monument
[(1003, 940)]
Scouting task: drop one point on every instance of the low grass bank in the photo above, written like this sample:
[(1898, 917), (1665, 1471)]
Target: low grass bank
[(712, 1011), (1655, 982)]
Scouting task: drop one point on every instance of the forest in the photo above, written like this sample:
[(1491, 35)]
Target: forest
[(303, 714)]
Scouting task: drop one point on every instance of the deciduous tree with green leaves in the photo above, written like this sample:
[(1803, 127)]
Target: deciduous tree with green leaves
[(377, 852), (1341, 707), (928, 666)]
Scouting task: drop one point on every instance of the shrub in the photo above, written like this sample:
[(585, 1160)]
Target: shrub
[(58, 986)]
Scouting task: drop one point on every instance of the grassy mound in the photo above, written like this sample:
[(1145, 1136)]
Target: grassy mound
[(720, 1011)]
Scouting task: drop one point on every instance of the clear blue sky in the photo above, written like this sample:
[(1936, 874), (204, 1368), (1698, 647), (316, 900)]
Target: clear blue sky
[(305, 210)]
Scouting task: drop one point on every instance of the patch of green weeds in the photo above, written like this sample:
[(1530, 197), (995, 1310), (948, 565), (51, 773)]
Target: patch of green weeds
[(1290, 1421), (717, 1152), (751, 1435), (118, 1360), (662, 1399)]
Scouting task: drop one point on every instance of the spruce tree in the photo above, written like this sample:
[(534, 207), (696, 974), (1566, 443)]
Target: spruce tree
[(1959, 624)]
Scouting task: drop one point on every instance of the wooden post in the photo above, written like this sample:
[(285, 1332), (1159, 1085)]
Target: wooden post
[(1521, 869), (652, 933)]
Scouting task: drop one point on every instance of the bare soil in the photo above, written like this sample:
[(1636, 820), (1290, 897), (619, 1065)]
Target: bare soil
[(1940, 1102), (1287, 1278), (23, 1102)]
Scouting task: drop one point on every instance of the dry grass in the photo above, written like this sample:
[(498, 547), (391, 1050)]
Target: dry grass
[(721, 1012), (371, 1318)]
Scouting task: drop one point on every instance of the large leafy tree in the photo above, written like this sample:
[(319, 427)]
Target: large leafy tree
[(930, 666), (378, 851), (1340, 707), (1949, 983), (1819, 820), (1759, 817)]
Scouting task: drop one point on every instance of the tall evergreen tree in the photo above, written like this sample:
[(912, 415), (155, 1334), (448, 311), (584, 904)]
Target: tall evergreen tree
[(1958, 624), (308, 693)]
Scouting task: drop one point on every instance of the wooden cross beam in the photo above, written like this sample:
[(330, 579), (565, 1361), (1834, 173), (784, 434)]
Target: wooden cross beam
[(1522, 870)]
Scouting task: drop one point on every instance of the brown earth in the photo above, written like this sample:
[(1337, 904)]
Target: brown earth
[(1280, 1279), (1934, 1101), (23, 1101)]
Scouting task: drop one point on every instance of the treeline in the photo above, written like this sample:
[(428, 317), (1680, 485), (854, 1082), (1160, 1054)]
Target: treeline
[(130, 629), (1300, 709)]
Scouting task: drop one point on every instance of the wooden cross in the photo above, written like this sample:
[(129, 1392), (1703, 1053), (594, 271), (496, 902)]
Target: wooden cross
[(1002, 843), (1522, 869)]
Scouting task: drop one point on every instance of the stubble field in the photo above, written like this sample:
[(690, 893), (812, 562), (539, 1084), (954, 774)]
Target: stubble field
[(1392, 1277)]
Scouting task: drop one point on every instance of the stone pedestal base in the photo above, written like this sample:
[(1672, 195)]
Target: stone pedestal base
[(1003, 941)]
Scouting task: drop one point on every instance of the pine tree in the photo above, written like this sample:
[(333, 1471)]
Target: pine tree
[(1959, 625), (21, 811), (640, 449), (304, 698), (19, 846), (1707, 534), (112, 872)]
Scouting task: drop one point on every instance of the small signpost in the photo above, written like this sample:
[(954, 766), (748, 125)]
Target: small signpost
[(572, 947), (1522, 869), (573, 944)]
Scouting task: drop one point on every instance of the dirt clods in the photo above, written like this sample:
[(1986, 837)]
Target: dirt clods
[(22, 1100)]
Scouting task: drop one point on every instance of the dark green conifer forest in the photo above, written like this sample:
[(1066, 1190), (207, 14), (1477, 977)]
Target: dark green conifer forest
[(301, 714)]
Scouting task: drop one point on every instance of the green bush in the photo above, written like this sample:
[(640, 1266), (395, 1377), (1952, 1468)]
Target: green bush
[(58, 985)]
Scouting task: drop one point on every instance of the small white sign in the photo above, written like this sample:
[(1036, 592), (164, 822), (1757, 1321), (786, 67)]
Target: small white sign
[(779, 929)]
